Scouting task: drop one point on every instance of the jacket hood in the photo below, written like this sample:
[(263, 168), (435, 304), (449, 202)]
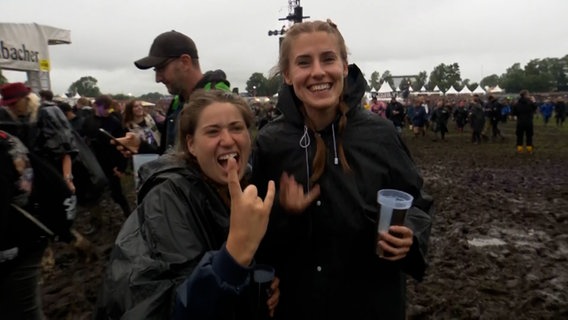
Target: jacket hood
[(355, 83), (156, 171)]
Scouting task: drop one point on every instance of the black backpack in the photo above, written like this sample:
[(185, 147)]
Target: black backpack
[(51, 202)]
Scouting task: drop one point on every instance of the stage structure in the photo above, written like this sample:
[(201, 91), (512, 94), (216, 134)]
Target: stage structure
[(24, 47), (295, 15)]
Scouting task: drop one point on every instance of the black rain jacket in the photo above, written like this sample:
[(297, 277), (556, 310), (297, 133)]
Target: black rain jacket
[(180, 219)]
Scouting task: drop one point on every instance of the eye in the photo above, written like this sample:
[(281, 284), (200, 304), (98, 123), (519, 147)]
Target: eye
[(238, 128), (303, 62), (211, 132), (329, 58)]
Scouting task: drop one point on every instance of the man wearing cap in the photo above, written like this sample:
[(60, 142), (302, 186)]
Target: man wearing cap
[(175, 60)]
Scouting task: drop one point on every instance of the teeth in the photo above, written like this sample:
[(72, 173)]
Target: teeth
[(319, 87), (227, 156)]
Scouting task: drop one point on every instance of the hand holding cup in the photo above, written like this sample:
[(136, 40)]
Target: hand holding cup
[(394, 239)]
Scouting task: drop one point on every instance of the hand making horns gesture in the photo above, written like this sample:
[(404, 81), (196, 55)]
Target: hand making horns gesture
[(249, 216)]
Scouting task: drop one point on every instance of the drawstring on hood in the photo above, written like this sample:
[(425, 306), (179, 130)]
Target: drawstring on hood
[(305, 143), (335, 159)]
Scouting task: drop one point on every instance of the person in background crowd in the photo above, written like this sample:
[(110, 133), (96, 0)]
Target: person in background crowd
[(83, 108), (506, 110), (111, 161), (560, 111), (439, 118), (397, 114), (47, 142), (46, 97), (487, 117), (137, 120), (546, 110), (409, 108), (75, 121), (524, 110), (495, 116), (476, 118), (419, 119), (329, 158), (374, 106), (192, 209), (175, 60), (21, 243), (460, 115)]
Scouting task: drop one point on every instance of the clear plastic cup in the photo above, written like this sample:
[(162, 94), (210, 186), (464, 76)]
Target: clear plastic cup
[(393, 207)]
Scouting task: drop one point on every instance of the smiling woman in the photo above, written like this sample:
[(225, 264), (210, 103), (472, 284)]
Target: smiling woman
[(194, 223), (330, 157)]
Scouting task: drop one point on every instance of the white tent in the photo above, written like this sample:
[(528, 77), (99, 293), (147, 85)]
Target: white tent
[(465, 90), (479, 90), (373, 90), (452, 90), (423, 89), (496, 89), (385, 88), (385, 91), (436, 89)]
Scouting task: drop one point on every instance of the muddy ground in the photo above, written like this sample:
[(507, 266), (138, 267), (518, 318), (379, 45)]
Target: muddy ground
[(499, 244)]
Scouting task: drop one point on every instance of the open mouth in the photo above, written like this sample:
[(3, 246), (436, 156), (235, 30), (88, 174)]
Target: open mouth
[(223, 160)]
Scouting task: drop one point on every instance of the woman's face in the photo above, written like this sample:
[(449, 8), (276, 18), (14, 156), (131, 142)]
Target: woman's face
[(316, 70), (138, 109), (221, 132)]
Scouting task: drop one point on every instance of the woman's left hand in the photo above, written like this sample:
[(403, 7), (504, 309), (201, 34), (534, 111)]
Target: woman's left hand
[(274, 297), (398, 245)]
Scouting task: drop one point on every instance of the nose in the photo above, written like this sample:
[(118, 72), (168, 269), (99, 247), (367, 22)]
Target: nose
[(225, 138), (158, 76), (317, 69)]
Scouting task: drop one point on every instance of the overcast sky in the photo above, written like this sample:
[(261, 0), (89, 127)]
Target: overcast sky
[(405, 36)]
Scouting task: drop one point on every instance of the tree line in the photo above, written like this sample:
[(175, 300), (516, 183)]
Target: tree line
[(538, 75)]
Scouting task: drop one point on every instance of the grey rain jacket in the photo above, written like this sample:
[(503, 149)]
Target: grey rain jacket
[(179, 219), (325, 257)]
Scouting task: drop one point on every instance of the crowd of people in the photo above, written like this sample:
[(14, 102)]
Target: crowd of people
[(218, 204), (484, 117)]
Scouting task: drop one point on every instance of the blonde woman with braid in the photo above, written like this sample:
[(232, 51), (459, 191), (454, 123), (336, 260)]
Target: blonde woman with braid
[(329, 157)]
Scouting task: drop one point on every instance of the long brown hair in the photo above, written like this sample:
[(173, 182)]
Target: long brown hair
[(292, 34)]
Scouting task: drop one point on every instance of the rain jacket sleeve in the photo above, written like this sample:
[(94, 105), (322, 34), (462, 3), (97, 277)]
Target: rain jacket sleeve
[(149, 261), (212, 291), (419, 217)]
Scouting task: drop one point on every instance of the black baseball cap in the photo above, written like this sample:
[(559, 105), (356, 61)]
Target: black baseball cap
[(171, 44)]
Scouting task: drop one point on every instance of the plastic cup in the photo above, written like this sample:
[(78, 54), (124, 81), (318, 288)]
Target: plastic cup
[(262, 278), (393, 207)]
